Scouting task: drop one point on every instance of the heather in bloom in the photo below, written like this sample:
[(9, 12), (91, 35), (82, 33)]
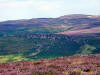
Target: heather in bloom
[(73, 65)]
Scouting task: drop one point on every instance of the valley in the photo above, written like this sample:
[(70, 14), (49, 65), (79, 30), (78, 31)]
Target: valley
[(46, 38)]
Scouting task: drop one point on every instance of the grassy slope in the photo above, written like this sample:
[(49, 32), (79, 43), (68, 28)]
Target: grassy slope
[(21, 48), (23, 30)]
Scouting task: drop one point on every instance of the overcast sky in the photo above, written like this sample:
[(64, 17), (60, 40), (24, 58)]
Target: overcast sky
[(26, 9)]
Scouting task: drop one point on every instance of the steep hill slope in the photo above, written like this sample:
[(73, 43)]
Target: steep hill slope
[(40, 46)]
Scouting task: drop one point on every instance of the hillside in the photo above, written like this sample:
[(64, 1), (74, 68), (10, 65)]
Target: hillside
[(39, 46), (73, 65), (40, 38), (50, 25)]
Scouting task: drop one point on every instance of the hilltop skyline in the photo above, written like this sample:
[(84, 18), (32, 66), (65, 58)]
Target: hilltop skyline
[(27, 9)]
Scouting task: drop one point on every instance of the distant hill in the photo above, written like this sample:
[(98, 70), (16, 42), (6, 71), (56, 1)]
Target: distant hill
[(51, 25)]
